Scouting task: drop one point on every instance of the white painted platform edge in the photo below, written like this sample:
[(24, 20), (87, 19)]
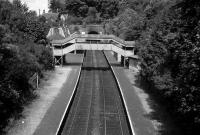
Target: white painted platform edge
[(126, 108)]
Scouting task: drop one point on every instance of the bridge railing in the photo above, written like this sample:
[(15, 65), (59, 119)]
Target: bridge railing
[(83, 46), (88, 43), (93, 36), (104, 37)]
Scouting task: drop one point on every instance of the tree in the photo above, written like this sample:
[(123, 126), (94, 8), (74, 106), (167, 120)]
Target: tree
[(105, 8), (56, 6), (127, 25), (20, 57), (169, 49), (91, 16), (76, 7)]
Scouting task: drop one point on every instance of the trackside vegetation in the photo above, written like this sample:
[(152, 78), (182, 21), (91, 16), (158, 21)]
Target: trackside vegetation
[(23, 52), (167, 34), (168, 43), (86, 11)]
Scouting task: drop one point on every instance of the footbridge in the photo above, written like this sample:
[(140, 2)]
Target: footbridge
[(91, 42)]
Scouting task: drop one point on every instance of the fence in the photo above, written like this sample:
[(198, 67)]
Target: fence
[(34, 80)]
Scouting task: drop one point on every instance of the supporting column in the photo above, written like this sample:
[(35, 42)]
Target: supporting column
[(128, 62), (53, 55), (115, 55), (124, 62), (112, 52), (62, 56), (62, 60), (119, 58), (75, 49)]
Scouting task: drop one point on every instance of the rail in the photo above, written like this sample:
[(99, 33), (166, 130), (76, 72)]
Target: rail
[(60, 126), (113, 114), (122, 96)]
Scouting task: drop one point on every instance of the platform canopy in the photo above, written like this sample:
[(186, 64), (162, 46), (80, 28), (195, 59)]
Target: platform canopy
[(58, 33)]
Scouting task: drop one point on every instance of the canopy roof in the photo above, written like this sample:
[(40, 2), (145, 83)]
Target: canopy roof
[(58, 33)]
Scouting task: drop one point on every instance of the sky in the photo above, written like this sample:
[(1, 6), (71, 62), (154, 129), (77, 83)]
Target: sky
[(36, 5)]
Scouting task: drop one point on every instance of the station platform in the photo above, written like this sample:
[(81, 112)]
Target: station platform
[(51, 121), (142, 124)]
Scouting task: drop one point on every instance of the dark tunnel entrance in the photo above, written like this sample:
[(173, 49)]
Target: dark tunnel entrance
[(93, 32)]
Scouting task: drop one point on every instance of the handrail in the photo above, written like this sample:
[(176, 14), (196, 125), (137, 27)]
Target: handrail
[(75, 35), (80, 46)]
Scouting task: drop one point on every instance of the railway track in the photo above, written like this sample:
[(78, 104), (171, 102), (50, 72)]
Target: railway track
[(97, 107)]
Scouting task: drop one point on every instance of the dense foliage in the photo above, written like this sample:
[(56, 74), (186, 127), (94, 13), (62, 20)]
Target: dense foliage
[(23, 52), (89, 11), (168, 40), (170, 58)]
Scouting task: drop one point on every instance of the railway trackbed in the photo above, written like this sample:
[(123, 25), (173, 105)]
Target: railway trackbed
[(97, 107)]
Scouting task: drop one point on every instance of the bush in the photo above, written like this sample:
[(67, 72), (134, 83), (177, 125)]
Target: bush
[(169, 51), (20, 57), (17, 66), (15, 90)]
